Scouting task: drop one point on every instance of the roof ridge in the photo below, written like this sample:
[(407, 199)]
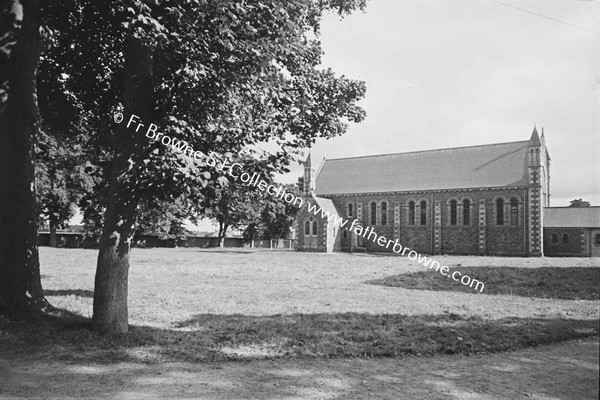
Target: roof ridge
[(427, 151)]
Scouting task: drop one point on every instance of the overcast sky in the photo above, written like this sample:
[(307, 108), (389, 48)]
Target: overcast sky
[(457, 73)]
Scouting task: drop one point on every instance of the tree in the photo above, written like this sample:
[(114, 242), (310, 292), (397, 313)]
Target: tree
[(579, 203), (62, 167), (233, 206), (61, 180), (223, 76), (112, 273), (279, 216), (21, 35), (167, 219), (276, 217)]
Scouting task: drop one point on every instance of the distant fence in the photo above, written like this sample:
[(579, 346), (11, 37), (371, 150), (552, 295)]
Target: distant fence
[(275, 244), (79, 240)]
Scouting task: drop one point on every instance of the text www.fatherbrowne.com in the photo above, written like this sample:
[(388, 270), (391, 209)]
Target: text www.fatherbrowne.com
[(223, 165)]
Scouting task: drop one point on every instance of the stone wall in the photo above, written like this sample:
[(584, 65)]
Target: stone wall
[(575, 247)]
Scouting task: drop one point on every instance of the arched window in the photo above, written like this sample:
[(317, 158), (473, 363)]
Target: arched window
[(310, 227), (423, 212), (350, 210), (411, 213), (597, 239), (554, 238), (384, 213), (466, 212), (500, 212), (565, 238), (453, 212), (373, 213), (514, 212)]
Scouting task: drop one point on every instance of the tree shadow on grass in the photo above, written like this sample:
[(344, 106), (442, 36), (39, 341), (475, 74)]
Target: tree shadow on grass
[(66, 339), (548, 282), (209, 337), (69, 292)]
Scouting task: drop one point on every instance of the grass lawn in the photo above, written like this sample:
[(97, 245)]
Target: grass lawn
[(206, 305), (546, 282)]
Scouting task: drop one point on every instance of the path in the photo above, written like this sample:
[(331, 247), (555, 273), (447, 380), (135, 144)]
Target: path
[(561, 371)]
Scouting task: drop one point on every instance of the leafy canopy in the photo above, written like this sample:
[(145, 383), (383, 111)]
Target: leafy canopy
[(227, 76)]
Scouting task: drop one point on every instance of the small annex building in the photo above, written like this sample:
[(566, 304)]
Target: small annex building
[(572, 231), (480, 200)]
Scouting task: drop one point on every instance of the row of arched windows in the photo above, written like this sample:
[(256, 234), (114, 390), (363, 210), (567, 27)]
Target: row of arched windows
[(417, 212), (507, 212), (383, 212)]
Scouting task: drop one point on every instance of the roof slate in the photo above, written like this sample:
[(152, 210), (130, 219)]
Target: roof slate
[(572, 217), (493, 165)]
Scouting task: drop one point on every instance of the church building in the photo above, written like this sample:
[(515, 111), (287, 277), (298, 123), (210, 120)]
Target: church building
[(480, 200)]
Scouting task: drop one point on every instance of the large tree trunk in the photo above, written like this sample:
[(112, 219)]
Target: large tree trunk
[(20, 284), (110, 289)]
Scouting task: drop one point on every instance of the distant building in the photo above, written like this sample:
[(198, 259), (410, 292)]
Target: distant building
[(484, 200), (572, 231)]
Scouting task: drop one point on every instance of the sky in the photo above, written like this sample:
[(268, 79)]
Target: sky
[(457, 73), (443, 73)]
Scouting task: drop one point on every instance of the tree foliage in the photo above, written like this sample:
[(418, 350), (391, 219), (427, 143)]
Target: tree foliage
[(579, 203), (61, 179), (276, 217), (232, 206), (165, 219), (226, 75)]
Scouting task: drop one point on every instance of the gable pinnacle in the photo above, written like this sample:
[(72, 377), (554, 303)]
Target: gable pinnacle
[(535, 138)]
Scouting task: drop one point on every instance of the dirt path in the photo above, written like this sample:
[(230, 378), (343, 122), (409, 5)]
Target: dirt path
[(562, 371)]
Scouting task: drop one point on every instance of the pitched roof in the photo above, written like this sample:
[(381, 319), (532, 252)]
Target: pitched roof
[(326, 205), (493, 165), (572, 217)]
